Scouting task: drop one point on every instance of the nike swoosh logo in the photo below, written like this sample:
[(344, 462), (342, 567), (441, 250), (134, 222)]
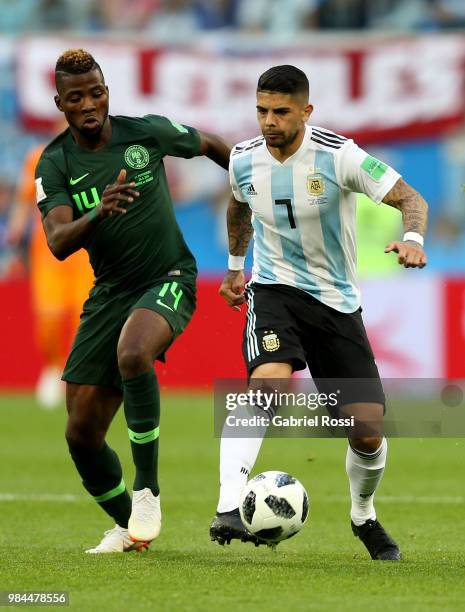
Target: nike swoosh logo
[(161, 304), (75, 181), (141, 436)]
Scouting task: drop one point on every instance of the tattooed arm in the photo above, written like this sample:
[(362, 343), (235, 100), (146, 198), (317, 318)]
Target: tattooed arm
[(240, 232), (414, 211), (413, 207)]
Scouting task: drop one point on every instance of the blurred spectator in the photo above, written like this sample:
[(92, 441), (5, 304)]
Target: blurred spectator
[(272, 16), (175, 20), (386, 14), (16, 15), (11, 265), (403, 15), (342, 14), (448, 13), (22, 16), (52, 15), (215, 14), (121, 14)]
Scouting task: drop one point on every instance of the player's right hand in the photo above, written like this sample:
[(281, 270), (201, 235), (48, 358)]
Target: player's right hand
[(115, 194), (232, 288), (410, 253)]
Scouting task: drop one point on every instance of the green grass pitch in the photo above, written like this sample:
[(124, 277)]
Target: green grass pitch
[(43, 534)]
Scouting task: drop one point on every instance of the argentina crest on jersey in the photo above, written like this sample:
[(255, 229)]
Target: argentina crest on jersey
[(316, 187)]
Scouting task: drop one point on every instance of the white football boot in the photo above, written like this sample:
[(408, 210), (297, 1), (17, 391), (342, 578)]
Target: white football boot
[(145, 521), (117, 540)]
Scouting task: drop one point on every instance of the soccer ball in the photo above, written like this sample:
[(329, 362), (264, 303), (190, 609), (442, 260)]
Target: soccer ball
[(274, 506)]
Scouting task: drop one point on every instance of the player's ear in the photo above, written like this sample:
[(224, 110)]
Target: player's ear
[(308, 110), (58, 103)]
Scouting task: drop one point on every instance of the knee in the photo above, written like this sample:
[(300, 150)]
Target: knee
[(366, 444), (264, 385), (268, 373), (82, 435), (133, 361), (265, 394)]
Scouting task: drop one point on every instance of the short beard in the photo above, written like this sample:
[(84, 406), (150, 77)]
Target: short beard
[(283, 142)]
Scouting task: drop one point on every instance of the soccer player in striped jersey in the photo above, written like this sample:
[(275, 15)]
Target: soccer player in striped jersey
[(294, 190)]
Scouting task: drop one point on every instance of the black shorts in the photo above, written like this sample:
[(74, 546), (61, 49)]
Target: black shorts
[(93, 357), (285, 324)]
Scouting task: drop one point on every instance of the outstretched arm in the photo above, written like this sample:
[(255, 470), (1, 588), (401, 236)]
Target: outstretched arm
[(215, 148), (240, 232), (414, 211)]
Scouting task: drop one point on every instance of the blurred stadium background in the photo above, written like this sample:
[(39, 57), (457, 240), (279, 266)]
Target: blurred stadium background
[(388, 73)]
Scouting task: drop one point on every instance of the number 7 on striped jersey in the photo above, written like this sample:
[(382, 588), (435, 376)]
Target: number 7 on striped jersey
[(290, 214)]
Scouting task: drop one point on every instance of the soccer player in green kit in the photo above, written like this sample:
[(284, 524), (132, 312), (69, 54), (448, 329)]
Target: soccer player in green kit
[(101, 186)]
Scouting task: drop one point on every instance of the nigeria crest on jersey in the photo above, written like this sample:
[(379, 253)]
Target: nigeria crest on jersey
[(136, 156)]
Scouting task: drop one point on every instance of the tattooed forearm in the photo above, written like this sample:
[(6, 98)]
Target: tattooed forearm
[(240, 229), (413, 207)]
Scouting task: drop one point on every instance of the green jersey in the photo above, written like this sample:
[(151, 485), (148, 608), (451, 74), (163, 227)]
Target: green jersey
[(128, 251)]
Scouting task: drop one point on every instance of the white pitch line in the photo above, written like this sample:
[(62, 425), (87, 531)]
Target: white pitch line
[(405, 499), (40, 497), (385, 499)]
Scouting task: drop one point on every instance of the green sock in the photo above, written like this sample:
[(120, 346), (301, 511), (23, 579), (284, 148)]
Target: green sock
[(102, 476), (142, 410)]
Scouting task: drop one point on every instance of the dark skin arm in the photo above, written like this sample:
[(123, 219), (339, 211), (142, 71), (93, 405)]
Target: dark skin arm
[(414, 211), (215, 148), (240, 232), (65, 236)]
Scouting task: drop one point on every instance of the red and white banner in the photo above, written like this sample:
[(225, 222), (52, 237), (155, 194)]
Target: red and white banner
[(416, 327), (404, 317), (454, 327), (372, 89)]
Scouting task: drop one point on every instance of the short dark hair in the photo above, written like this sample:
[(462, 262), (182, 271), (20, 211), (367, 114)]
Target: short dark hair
[(284, 79), (75, 61)]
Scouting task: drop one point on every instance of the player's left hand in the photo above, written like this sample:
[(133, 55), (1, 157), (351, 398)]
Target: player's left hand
[(411, 254)]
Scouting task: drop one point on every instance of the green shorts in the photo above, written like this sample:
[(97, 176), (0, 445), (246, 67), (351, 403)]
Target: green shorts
[(93, 359)]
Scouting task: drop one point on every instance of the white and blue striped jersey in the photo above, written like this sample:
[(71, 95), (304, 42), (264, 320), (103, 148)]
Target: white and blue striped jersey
[(304, 211)]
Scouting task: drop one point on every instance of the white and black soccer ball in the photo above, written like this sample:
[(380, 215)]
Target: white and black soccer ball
[(274, 506)]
